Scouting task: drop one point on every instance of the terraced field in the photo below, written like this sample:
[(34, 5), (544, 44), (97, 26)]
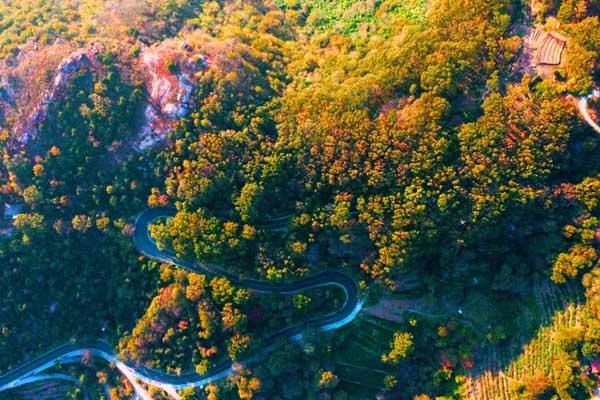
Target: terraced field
[(46, 390), (559, 307), (365, 340), (548, 47)]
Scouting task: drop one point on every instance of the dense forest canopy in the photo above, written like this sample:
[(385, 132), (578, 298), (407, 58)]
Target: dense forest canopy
[(421, 148)]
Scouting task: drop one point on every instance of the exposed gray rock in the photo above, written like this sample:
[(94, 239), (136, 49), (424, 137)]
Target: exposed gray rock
[(78, 61), (168, 94)]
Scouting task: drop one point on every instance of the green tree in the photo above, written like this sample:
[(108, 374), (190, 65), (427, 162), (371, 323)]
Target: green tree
[(401, 347)]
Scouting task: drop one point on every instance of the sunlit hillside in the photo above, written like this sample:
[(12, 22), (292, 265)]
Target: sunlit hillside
[(299, 199)]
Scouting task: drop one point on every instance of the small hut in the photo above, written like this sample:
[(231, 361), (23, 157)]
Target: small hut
[(548, 47), (12, 210)]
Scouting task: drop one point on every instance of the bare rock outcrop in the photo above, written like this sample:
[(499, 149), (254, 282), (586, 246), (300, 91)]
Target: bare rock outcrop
[(12, 92), (169, 70)]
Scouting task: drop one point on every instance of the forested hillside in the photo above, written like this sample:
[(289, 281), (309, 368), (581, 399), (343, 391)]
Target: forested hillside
[(426, 150)]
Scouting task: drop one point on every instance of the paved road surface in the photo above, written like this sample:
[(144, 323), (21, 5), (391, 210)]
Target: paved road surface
[(171, 383), (583, 109)]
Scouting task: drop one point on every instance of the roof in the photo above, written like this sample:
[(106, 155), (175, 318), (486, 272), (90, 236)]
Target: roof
[(12, 210), (549, 46), (551, 50)]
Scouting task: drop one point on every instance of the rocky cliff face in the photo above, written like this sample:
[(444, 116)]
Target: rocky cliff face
[(167, 70), (169, 75), (26, 92), (25, 79), (81, 60)]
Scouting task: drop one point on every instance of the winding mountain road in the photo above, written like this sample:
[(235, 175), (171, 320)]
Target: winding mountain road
[(172, 383), (31, 371), (583, 109)]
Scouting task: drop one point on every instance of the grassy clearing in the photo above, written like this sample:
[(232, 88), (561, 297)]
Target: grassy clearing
[(350, 16)]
